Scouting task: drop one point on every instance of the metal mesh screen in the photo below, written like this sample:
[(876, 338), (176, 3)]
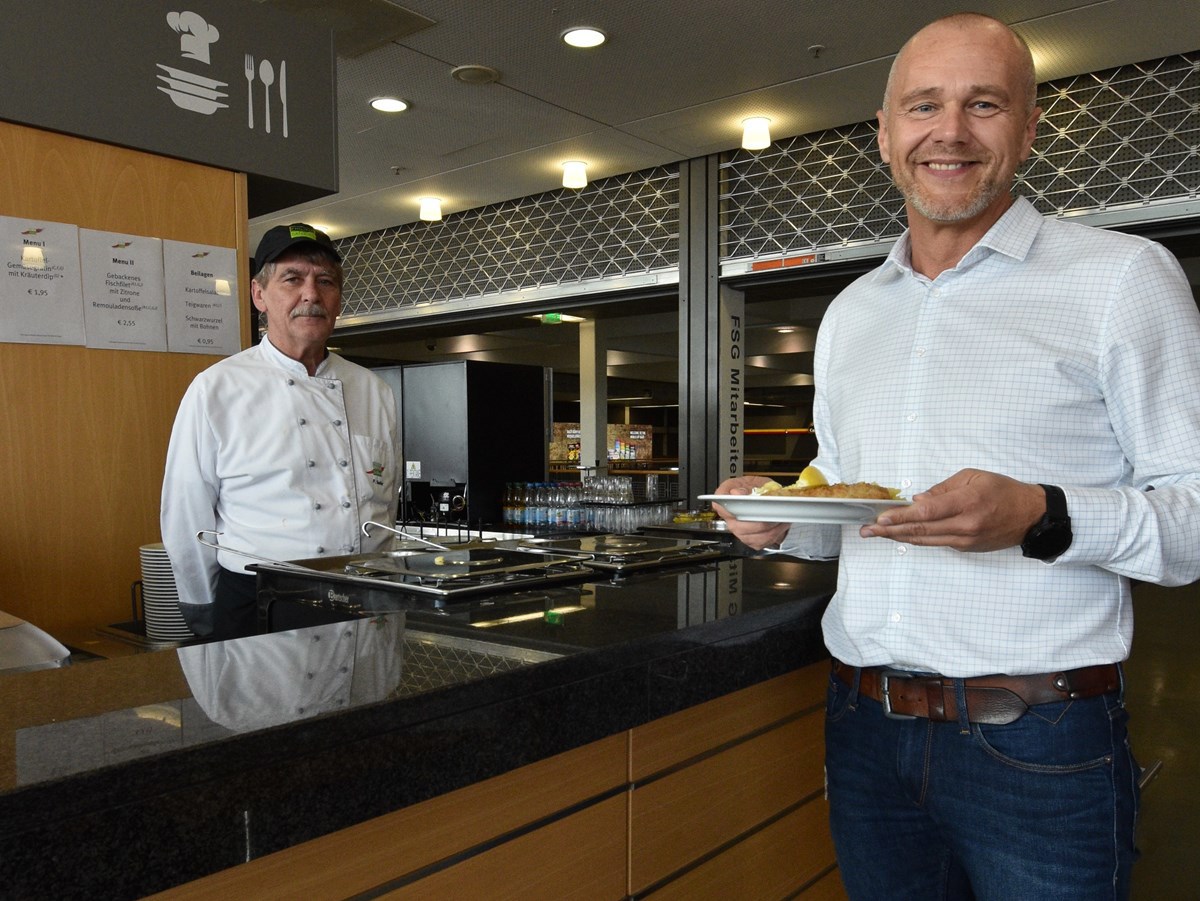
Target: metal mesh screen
[(612, 228), (1126, 137)]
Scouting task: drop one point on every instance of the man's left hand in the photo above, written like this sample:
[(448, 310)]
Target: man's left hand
[(973, 510)]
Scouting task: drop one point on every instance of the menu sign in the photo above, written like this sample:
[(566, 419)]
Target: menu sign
[(202, 313), (41, 301), (124, 302)]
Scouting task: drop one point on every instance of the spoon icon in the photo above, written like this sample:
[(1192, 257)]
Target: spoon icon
[(267, 73)]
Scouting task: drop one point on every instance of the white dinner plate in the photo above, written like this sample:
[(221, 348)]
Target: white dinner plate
[(774, 508)]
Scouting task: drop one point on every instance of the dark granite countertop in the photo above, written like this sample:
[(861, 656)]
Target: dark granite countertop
[(127, 776)]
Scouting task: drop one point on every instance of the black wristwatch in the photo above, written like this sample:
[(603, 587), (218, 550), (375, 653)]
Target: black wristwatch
[(1050, 535)]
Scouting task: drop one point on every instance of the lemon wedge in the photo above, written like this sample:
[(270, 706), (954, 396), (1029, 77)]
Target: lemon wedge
[(809, 477)]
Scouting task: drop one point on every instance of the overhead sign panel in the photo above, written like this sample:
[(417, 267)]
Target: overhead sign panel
[(226, 83)]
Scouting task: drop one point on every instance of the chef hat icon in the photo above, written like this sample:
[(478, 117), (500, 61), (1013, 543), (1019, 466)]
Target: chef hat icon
[(195, 34)]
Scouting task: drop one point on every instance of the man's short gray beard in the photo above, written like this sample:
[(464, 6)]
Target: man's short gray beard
[(973, 208)]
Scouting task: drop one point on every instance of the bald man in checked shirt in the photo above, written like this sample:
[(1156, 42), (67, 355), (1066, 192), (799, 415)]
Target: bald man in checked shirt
[(1034, 386)]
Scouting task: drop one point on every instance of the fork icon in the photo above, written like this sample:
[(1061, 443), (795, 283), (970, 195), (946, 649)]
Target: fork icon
[(249, 90)]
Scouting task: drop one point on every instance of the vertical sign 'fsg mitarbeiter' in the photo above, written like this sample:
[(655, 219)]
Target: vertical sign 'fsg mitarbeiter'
[(227, 83)]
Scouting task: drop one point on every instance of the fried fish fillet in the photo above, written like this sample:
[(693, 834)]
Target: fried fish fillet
[(857, 490)]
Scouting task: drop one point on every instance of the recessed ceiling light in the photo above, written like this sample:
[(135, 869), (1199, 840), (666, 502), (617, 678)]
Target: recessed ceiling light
[(389, 104), (584, 36), (785, 329)]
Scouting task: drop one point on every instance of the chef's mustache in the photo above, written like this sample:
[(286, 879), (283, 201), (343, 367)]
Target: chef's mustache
[(314, 310)]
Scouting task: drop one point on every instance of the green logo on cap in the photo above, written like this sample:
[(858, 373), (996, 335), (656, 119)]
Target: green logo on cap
[(302, 233)]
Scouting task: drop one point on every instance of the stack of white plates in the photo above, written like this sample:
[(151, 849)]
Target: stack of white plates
[(160, 600)]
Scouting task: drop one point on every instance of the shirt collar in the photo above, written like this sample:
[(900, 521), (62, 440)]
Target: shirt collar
[(282, 360), (1012, 235)]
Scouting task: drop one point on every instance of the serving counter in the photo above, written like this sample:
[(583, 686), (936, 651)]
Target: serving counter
[(650, 736)]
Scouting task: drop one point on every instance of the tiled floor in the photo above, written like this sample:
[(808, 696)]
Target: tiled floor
[(1164, 703)]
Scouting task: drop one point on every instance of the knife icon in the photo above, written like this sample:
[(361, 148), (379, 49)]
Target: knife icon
[(283, 93)]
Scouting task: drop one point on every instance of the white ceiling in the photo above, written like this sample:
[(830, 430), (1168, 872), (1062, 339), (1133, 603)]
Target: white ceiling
[(673, 82)]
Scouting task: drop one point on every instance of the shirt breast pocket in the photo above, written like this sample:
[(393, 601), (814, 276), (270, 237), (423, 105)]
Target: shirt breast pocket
[(374, 468)]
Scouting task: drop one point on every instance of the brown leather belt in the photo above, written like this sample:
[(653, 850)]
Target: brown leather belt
[(996, 700)]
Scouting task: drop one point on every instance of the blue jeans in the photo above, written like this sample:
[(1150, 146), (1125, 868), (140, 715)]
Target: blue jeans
[(1042, 809)]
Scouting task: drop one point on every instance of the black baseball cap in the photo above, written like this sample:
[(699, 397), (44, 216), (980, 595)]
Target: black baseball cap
[(282, 237)]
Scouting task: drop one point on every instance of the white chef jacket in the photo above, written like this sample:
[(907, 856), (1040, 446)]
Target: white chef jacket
[(284, 465), (1053, 353)]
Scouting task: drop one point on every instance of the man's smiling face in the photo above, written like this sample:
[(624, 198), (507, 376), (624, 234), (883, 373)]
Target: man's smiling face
[(958, 121)]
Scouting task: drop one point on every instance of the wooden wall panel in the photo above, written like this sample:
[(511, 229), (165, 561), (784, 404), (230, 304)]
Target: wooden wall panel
[(85, 431)]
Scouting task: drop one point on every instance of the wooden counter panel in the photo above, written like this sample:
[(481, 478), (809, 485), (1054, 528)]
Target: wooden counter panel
[(666, 742), (389, 847), (677, 819), (773, 863), (581, 856), (828, 888)]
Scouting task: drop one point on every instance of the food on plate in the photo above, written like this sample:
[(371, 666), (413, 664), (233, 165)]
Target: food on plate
[(856, 490), (811, 483), (810, 476)]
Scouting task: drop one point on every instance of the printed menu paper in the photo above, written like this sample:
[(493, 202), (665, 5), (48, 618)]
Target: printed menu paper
[(123, 302), (41, 301), (202, 298)]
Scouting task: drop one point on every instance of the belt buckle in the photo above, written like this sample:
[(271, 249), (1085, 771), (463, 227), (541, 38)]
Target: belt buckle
[(885, 697)]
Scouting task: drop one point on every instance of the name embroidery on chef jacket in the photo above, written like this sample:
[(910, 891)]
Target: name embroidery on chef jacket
[(376, 472)]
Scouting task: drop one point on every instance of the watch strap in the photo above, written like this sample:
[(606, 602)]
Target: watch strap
[(1056, 502)]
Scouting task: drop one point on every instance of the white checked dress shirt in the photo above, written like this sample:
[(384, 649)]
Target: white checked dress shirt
[(1053, 353)]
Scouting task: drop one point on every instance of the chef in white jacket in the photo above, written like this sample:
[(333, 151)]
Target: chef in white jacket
[(284, 449)]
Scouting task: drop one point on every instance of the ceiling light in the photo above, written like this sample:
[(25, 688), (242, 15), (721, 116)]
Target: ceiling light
[(574, 174), (389, 104), (785, 329), (584, 36), (431, 209), (756, 133)]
